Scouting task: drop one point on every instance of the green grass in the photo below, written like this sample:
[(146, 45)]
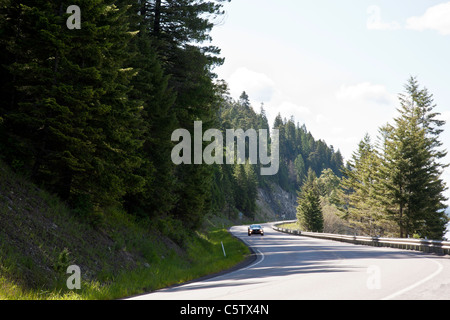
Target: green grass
[(291, 226), (204, 256), (118, 254)]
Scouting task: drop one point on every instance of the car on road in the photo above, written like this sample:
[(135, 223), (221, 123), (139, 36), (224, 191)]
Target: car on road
[(255, 229)]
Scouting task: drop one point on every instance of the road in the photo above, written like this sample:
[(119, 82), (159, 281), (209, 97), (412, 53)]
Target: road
[(290, 267)]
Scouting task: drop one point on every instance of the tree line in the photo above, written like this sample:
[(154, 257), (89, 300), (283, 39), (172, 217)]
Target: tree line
[(88, 113), (393, 186), (236, 187)]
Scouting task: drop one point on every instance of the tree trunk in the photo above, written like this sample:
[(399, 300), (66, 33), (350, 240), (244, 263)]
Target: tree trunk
[(157, 22)]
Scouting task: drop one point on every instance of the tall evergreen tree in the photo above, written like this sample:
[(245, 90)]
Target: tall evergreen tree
[(300, 169), (150, 88), (68, 123), (179, 30), (361, 184), (309, 211), (411, 168), (240, 189), (263, 122), (251, 188)]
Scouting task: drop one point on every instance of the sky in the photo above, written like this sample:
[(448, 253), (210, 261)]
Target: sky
[(336, 66)]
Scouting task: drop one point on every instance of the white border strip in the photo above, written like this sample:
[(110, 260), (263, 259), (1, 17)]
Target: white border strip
[(260, 254), (440, 268)]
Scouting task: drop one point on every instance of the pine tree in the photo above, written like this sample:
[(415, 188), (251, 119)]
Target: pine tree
[(251, 188), (240, 188), (360, 185), (67, 121), (122, 125), (309, 211), (179, 30), (300, 169), (150, 88), (263, 122), (411, 170)]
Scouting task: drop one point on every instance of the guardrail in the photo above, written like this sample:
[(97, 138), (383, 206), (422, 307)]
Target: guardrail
[(427, 246)]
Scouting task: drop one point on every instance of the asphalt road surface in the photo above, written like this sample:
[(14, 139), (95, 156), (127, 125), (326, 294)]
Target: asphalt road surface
[(289, 267)]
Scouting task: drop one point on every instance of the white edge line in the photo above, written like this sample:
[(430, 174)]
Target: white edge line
[(256, 263), (440, 268), (258, 252)]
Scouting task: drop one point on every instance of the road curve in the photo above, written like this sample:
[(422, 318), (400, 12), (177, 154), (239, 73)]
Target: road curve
[(290, 267)]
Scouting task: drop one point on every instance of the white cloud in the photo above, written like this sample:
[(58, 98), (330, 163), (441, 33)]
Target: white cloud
[(257, 85), (375, 21), (291, 109), (435, 18), (365, 92), (337, 130), (321, 119), (358, 108)]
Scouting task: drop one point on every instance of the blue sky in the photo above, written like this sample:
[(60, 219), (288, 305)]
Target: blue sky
[(336, 66)]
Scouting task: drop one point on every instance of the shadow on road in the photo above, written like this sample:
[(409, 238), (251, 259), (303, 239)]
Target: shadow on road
[(282, 255)]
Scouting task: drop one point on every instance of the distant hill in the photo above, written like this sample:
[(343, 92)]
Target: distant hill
[(276, 195)]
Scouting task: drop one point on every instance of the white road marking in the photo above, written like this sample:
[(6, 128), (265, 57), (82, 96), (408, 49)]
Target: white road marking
[(260, 254), (415, 285)]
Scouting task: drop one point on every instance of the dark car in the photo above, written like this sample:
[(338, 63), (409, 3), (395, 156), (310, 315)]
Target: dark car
[(255, 229)]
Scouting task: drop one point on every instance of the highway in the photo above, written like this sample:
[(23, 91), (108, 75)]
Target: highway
[(289, 267)]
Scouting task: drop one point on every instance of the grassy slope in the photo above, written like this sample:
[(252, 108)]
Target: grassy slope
[(118, 257)]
